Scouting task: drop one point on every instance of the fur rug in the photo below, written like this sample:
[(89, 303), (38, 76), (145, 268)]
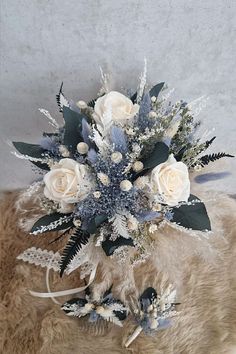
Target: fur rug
[(206, 288)]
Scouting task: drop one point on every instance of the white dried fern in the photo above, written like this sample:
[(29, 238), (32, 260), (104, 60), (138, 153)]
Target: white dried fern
[(119, 225), (109, 316), (99, 141), (116, 306), (105, 83), (142, 84), (51, 120), (62, 101), (115, 320), (107, 121), (64, 219), (30, 158)]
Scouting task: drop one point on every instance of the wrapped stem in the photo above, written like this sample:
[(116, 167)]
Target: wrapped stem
[(133, 336)]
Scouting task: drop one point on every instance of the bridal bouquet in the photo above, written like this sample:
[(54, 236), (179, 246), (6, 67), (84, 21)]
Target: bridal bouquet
[(116, 170)]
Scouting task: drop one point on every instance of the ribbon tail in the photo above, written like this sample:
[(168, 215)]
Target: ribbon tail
[(52, 295)]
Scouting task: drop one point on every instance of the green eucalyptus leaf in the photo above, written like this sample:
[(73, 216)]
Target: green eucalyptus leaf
[(73, 127), (193, 216), (156, 89), (159, 154), (48, 219), (109, 246)]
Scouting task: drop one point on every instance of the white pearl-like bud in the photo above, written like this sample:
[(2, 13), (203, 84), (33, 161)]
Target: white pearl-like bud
[(152, 228), (141, 182), (97, 194), (150, 308), (89, 306), (153, 98), (104, 178), (156, 207), (125, 185), (100, 309), (153, 324), (64, 151), (82, 148), (81, 104), (155, 312), (152, 114), (116, 157), (138, 166), (77, 222)]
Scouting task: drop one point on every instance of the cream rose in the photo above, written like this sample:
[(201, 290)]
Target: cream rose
[(171, 180), (67, 182), (122, 107)]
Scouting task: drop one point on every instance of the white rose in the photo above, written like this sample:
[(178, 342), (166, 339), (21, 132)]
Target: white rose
[(171, 180), (122, 108), (67, 182)]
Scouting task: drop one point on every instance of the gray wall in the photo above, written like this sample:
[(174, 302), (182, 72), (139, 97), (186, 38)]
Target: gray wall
[(188, 44)]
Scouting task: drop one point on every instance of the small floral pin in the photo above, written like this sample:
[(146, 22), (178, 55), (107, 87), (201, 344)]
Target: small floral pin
[(154, 312), (108, 308)]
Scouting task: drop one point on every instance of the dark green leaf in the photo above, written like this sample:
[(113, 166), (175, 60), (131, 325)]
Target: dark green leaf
[(158, 155), (48, 219), (121, 315), (156, 89), (50, 134), (192, 216), (61, 100), (77, 240), (41, 165), (32, 150), (73, 128), (29, 149), (181, 152), (109, 246), (93, 225), (134, 97), (80, 302), (148, 293)]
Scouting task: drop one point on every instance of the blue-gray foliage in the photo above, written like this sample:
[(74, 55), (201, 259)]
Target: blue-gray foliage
[(119, 140), (147, 215), (92, 156), (48, 143)]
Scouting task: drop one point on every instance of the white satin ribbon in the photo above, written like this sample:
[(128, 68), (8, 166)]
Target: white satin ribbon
[(54, 294)]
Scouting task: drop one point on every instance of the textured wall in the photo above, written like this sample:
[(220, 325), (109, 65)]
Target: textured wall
[(188, 44)]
